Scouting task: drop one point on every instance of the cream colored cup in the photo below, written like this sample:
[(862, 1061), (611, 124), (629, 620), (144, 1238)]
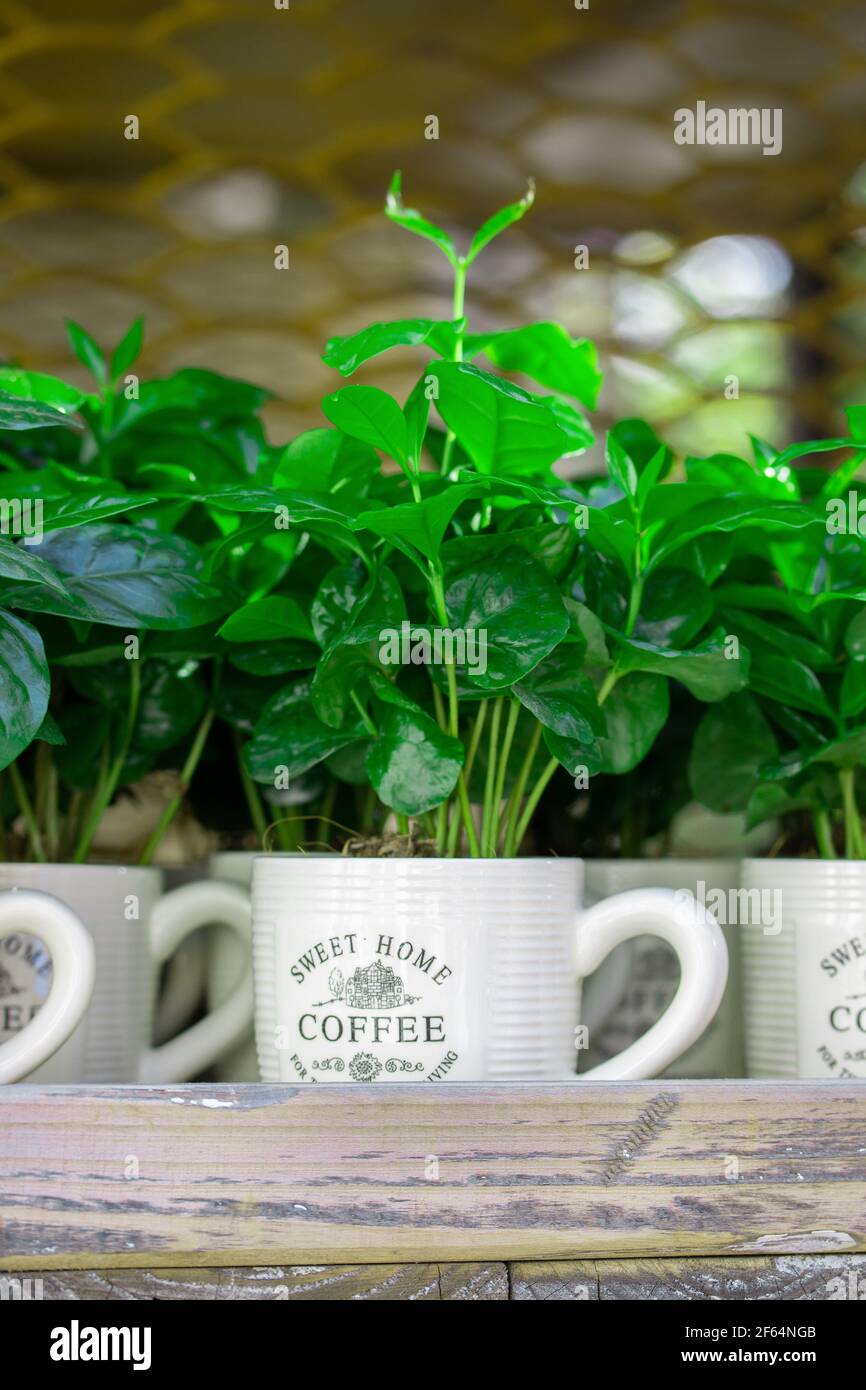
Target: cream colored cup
[(804, 967), (467, 969), (134, 928), (61, 963)]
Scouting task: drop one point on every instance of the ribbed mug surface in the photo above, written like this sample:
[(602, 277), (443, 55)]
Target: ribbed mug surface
[(804, 968), (415, 969)]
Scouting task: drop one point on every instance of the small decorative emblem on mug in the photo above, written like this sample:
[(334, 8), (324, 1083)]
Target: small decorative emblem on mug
[(364, 1067)]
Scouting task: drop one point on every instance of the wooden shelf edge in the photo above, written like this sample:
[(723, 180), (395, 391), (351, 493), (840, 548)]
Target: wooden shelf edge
[(226, 1175)]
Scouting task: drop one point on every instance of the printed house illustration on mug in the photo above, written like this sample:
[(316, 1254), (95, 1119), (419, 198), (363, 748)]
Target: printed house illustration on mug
[(375, 987)]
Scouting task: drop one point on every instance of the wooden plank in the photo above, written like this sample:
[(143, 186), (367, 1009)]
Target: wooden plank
[(297, 1283), (784, 1278), (262, 1175)]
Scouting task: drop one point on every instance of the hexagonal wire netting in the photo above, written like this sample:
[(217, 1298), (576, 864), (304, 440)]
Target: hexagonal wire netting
[(260, 126)]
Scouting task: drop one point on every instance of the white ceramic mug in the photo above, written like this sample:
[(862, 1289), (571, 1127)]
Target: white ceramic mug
[(135, 928), (454, 969), (647, 979), (31, 1033), (225, 964), (803, 934)]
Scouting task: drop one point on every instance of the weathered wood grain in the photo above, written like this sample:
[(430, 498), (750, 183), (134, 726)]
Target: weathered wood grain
[(297, 1283), (784, 1278), (259, 1175)]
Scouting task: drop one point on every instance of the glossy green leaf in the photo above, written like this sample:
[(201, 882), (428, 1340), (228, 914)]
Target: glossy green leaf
[(366, 413), (754, 629), (412, 220), (635, 712), (789, 681), (87, 350), (561, 697), (41, 389), (623, 731), (706, 670), (273, 658), (855, 635), (348, 595), (577, 436), (192, 392), (17, 414), (349, 353), (731, 514), (421, 525), (351, 614), (416, 412), (17, 562), (852, 696), (128, 349), (412, 764), (732, 741), (267, 620), (125, 576), (511, 605), (499, 221), (49, 731), (290, 735), (320, 461), (24, 686), (675, 606), (546, 353), (503, 429), (590, 631), (620, 467)]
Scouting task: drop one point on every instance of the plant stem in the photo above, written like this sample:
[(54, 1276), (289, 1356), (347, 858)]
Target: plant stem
[(186, 775), (823, 833), (368, 810), (52, 817), (634, 604), (533, 800), (323, 829), (855, 848), (251, 792), (104, 796), (608, 684), (456, 313), (490, 779), (493, 834), (365, 718), (474, 740), (471, 837), (26, 809), (511, 841), (439, 706), (71, 822)]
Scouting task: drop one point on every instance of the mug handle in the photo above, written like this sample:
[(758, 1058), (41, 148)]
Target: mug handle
[(72, 962), (177, 914), (695, 936)]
